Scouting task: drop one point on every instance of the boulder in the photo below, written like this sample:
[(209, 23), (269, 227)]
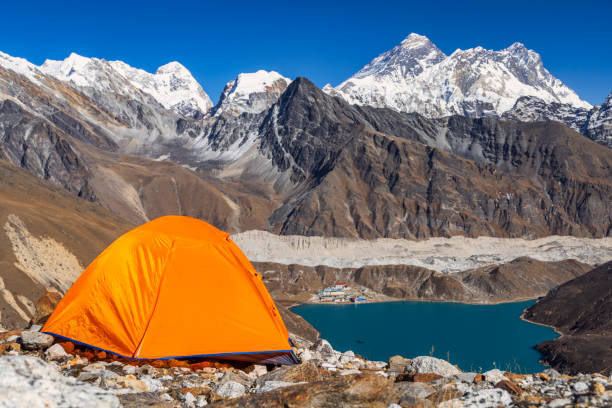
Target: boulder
[(425, 364), (33, 340), (29, 382), (45, 306), (350, 391)]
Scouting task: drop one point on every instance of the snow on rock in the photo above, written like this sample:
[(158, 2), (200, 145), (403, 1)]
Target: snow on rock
[(416, 76), (20, 66), (29, 382), (599, 126), (172, 86), (251, 92)]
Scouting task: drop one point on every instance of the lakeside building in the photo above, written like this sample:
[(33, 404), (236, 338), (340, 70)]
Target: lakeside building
[(339, 292)]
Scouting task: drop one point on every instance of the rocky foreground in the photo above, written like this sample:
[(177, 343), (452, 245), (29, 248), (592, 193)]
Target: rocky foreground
[(35, 372)]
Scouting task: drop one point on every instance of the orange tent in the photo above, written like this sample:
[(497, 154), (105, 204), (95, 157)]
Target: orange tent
[(173, 287)]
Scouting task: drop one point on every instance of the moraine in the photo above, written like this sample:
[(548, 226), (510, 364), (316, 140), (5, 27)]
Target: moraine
[(475, 337)]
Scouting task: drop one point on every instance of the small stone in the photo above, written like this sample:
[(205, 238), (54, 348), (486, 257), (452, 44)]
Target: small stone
[(509, 386), (35, 327), (55, 352), (415, 390), (559, 403), (34, 340), (12, 339), (398, 363), (231, 389), (305, 355), (544, 377), (189, 399), (465, 377), (494, 376), (8, 347), (201, 401), (257, 371), (272, 385), (552, 373), (580, 386), (322, 347), (129, 369), (598, 388)]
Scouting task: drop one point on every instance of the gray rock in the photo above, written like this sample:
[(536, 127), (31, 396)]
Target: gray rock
[(413, 389), (552, 373), (188, 400), (323, 347), (272, 385), (201, 401), (425, 364), (35, 328), (33, 340), (559, 403), (398, 364), (30, 382), (580, 386), (494, 376), (409, 401), (465, 377), (56, 352), (231, 389), (484, 398)]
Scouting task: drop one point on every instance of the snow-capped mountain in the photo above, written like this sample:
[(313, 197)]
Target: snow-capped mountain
[(251, 92), (599, 127), (533, 109), (172, 85), (417, 77)]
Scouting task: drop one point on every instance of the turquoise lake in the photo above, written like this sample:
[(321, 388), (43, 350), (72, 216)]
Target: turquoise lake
[(475, 337)]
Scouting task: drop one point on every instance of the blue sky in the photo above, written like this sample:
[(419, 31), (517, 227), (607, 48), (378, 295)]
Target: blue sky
[(325, 41)]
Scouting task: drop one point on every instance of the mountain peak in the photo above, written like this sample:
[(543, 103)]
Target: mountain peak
[(251, 92), (416, 76), (171, 68), (415, 40)]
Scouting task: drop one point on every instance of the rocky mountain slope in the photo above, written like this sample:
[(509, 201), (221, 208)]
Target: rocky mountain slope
[(595, 123), (308, 164), (522, 278), (599, 125), (581, 310), (47, 237), (348, 167)]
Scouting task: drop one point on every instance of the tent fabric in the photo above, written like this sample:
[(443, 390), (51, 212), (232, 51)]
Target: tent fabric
[(173, 287)]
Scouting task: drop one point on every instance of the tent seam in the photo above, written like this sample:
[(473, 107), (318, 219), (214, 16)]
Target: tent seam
[(161, 280)]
